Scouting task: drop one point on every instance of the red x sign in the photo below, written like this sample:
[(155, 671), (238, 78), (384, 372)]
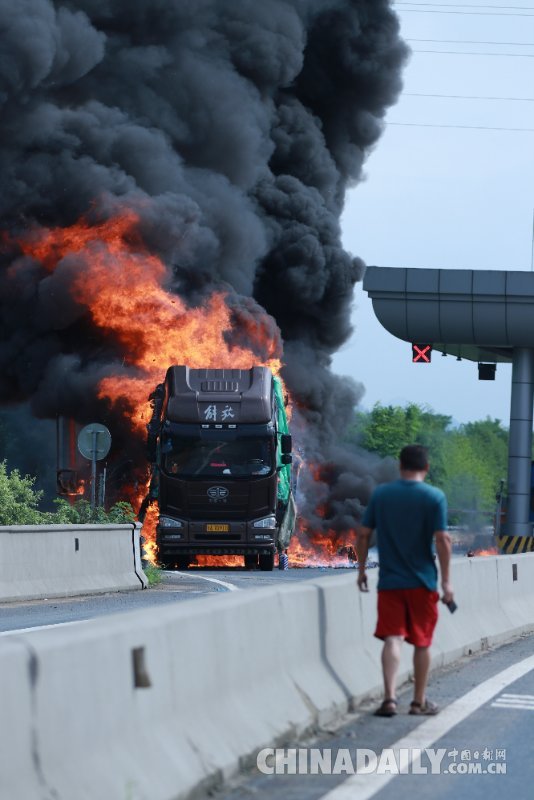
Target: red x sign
[(421, 353)]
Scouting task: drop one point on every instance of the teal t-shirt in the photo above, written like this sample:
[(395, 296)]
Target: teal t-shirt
[(406, 515)]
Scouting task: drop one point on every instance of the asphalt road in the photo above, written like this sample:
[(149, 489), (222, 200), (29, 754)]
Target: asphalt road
[(175, 587), (483, 735)]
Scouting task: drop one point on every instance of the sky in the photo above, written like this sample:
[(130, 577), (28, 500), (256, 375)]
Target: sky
[(440, 197)]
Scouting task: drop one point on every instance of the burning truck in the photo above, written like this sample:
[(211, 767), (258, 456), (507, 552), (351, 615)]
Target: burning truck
[(220, 453)]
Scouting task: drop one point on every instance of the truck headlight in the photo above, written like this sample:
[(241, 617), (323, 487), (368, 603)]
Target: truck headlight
[(169, 522), (266, 522)]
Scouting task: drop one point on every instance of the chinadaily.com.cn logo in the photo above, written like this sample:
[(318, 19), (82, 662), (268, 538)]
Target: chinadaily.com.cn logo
[(392, 761)]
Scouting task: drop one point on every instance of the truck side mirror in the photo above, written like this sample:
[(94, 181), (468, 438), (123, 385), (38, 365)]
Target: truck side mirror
[(287, 458), (286, 443)]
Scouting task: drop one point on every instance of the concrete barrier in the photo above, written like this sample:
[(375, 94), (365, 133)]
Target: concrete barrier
[(158, 703), (59, 561)]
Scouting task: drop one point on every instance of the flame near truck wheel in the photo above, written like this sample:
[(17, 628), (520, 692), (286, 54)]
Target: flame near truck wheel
[(220, 454)]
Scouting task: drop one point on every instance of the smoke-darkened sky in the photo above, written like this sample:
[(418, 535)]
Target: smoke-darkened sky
[(234, 128)]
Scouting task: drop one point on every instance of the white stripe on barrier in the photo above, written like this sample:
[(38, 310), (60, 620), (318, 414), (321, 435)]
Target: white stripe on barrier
[(365, 786)]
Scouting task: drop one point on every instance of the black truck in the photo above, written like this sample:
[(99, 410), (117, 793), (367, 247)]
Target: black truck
[(220, 453)]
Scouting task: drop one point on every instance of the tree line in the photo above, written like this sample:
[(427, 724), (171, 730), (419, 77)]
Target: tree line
[(467, 461), (20, 505)]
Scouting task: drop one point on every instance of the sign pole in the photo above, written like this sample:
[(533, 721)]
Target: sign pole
[(94, 435), (102, 488), (94, 449)]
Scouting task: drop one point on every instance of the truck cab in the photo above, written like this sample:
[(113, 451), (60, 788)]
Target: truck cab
[(220, 451)]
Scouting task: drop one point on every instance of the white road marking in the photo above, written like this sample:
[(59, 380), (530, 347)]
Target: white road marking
[(229, 586), (524, 702), (505, 700), (365, 786), (43, 627)]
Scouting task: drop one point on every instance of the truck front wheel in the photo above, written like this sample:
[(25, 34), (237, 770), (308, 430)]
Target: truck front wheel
[(266, 562), (251, 561)]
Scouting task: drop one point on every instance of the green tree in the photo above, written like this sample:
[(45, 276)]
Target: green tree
[(490, 440), (19, 505), (389, 428), (19, 500), (464, 479), (81, 513), (467, 462), (476, 460)]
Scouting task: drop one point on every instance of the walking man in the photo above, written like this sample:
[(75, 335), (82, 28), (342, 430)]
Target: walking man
[(408, 515)]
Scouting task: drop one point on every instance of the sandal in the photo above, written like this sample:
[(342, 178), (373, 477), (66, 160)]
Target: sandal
[(427, 708), (388, 708)]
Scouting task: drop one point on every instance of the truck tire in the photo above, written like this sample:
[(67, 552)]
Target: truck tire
[(182, 562), (266, 562), (251, 561)]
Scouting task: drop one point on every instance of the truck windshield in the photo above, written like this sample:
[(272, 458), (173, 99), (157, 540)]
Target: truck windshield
[(241, 457)]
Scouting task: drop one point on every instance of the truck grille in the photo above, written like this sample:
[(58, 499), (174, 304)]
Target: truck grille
[(234, 507)]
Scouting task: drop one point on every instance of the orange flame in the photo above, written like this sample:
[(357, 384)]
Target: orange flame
[(79, 491), (149, 534), (123, 287), (217, 561), (311, 548), (490, 551)]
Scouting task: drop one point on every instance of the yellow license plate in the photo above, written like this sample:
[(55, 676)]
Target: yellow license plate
[(211, 528)]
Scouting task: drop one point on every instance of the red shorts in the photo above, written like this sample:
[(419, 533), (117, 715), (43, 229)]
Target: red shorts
[(410, 613)]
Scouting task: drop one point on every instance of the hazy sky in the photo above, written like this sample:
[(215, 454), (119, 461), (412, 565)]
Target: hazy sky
[(447, 197)]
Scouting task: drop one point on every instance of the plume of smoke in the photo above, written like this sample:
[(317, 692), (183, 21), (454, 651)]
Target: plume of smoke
[(242, 124)]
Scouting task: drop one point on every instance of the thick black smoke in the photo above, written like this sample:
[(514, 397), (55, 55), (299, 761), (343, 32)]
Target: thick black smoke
[(243, 123)]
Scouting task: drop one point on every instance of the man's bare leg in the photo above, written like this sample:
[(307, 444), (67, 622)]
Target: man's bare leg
[(421, 666), (390, 664)]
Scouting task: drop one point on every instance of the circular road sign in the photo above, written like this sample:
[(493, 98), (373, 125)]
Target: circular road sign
[(94, 441)]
